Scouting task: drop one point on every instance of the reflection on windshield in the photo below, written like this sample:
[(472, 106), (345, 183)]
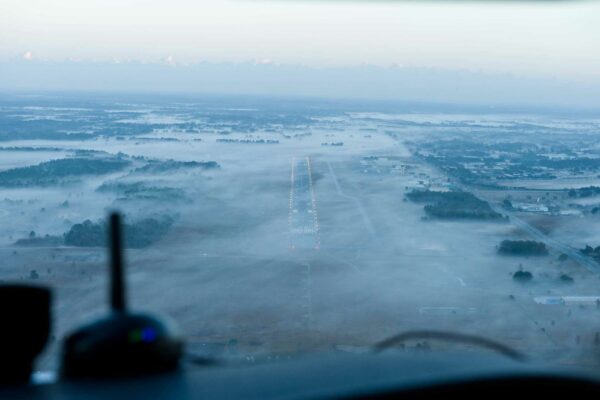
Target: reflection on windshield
[(273, 227)]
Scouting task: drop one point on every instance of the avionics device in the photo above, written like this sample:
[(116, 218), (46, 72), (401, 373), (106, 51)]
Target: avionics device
[(123, 343)]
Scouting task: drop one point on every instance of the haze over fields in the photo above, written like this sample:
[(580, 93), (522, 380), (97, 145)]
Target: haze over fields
[(459, 86), (278, 226)]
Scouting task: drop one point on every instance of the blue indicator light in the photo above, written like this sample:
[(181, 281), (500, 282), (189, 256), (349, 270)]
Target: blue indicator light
[(148, 335)]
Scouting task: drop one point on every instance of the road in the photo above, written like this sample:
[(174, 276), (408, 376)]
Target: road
[(555, 244), (356, 200), (535, 233), (540, 236)]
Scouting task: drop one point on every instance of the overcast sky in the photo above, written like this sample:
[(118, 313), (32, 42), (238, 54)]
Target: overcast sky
[(561, 39)]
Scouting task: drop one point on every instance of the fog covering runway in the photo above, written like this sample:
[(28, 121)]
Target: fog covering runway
[(304, 219), (296, 247)]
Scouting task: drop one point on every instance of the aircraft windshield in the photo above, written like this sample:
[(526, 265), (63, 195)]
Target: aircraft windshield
[(309, 176)]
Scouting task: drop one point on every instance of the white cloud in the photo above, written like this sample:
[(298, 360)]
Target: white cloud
[(264, 61), (28, 55), (170, 60)]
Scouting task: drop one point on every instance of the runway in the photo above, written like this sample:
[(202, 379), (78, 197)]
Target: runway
[(303, 217)]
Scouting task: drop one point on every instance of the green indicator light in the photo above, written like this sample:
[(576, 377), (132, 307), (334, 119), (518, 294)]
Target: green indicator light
[(135, 336)]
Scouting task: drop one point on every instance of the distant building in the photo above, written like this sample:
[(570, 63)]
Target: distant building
[(533, 208)]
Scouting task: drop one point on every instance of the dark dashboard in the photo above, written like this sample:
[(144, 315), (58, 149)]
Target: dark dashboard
[(418, 375)]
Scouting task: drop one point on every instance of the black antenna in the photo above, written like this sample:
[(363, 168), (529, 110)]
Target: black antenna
[(117, 279)]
